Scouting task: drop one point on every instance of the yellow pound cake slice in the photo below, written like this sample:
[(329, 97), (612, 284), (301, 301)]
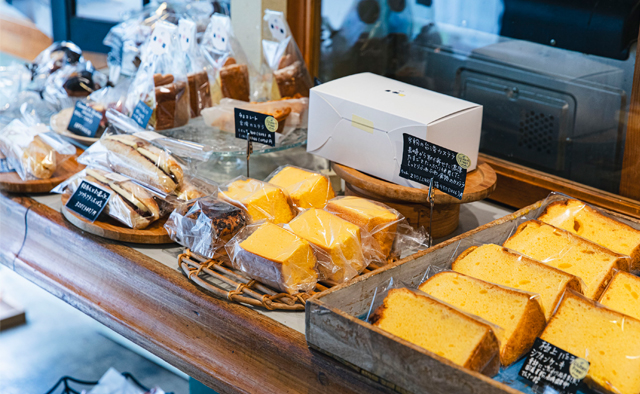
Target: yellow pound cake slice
[(496, 264), (338, 240), (609, 340), (307, 189), (518, 314), (278, 258), (376, 218), (623, 294), (558, 248), (261, 200), (579, 218), (439, 328)]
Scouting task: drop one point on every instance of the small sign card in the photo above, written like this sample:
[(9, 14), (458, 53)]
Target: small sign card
[(548, 365), (141, 114), (260, 127), (423, 161), (85, 120), (88, 200), (4, 164)]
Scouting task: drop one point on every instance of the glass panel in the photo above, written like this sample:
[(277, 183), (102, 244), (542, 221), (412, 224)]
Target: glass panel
[(109, 10), (554, 77)]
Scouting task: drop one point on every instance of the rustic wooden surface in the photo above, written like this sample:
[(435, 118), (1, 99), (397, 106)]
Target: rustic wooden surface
[(630, 177), (11, 182), (110, 228), (228, 347)]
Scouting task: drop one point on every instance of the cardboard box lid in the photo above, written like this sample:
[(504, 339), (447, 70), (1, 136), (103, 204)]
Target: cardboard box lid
[(388, 97)]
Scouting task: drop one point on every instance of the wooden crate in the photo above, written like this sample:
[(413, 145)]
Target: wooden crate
[(334, 327)]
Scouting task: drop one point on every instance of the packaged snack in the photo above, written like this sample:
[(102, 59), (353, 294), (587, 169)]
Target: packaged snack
[(274, 256), (261, 200), (198, 69), (307, 189)]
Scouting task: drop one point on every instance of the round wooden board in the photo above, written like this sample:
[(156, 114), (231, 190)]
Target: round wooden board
[(480, 183), (59, 123), (112, 229), (11, 182)]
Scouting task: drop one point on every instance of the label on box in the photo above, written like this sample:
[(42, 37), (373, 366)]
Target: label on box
[(85, 120), (548, 365), (259, 127), (141, 114), (423, 161), (88, 200)]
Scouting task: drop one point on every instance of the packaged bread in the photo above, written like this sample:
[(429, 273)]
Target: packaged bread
[(199, 72), (205, 225), (32, 150), (261, 200), (518, 313), (499, 265), (568, 252), (440, 329), (623, 294), (338, 243), (307, 189), (274, 256), (581, 219), (608, 340)]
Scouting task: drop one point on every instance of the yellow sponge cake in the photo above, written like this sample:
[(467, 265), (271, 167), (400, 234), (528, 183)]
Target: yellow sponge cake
[(496, 264), (338, 240), (439, 329), (609, 340), (558, 248), (518, 314), (278, 258), (260, 199), (307, 189), (623, 294), (579, 218), (376, 218)]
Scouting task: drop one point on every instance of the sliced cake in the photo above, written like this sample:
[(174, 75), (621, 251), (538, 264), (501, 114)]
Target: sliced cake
[(261, 200), (499, 265), (579, 218), (307, 189), (609, 340), (340, 257), (518, 314), (558, 248), (278, 258), (623, 294), (438, 328)]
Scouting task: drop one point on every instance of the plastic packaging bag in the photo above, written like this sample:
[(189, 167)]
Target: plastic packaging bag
[(32, 150), (283, 58), (199, 71), (274, 256), (261, 200), (74, 81), (307, 189), (161, 81), (56, 56), (205, 225), (14, 78)]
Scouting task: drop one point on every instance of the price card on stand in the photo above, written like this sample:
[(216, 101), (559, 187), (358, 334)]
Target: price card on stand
[(141, 114), (85, 120), (89, 200), (255, 126)]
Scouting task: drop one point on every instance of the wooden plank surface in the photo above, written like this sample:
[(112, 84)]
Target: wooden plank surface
[(630, 177), (227, 346)]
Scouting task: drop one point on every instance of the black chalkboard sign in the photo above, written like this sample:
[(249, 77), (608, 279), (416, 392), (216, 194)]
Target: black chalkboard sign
[(260, 127), (548, 365), (88, 200), (85, 120), (141, 114), (423, 161)]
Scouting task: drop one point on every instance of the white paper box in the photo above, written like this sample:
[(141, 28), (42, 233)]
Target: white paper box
[(359, 121)]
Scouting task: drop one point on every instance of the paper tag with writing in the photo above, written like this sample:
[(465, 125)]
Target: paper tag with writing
[(422, 160), (148, 135), (260, 127), (141, 114), (85, 120), (88, 200), (548, 365)]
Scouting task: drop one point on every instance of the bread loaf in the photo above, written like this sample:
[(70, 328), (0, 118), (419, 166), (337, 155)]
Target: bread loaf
[(623, 294), (307, 189), (261, 200)]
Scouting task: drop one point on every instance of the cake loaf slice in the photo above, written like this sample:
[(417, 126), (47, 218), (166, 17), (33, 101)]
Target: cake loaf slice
[(438, 328), (261, 200), (276, 257), (499, 265), (558, 248), (609, 340), (518, 314), (623, 294), (307, 189), (579, 218)]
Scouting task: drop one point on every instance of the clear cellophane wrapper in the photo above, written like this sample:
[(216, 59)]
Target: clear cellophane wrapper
[(205, 225), (199, 72), (56, 56), (393, 238), (288, 278), (282, 60), (161, 81), (313, 192), (32, 150), (72, 83)]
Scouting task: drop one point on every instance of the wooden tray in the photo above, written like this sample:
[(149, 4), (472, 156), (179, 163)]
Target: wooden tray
[(334, 328), (12, 183), (109, 228), (59, 123)]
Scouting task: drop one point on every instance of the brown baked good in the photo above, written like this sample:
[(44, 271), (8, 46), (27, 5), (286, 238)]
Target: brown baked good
[(293, 79), (199, 92), (80, 84), (230, 60), (172, 105), (280, 115), (226, 219), (285, 61), (159, 79), (234, 81), (39, 159)]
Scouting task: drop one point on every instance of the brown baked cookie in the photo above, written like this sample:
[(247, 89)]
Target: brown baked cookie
[(234, 81)]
